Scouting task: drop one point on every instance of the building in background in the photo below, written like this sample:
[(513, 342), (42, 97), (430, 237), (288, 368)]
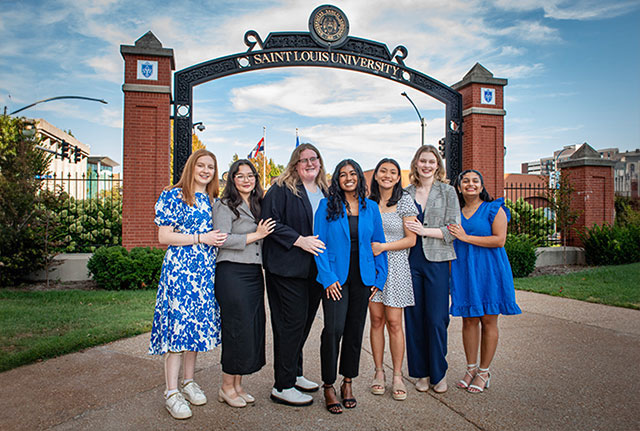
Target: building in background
[(625, 170), (100, 175)]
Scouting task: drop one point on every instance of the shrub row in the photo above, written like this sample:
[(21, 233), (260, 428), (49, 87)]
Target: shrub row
[(612, 245), (114, 268), (521, 250)]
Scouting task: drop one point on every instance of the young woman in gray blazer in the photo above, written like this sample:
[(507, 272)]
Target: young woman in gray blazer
[(427, 321), (239, 280)]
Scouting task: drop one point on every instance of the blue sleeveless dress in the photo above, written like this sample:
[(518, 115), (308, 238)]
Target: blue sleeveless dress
[(481, 277)]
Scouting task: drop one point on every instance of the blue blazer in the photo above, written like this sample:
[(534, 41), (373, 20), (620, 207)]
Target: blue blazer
[(333, 264)]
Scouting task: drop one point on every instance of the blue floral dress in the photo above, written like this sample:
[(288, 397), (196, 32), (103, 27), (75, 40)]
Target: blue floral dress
[(187, 316), (481, 277)]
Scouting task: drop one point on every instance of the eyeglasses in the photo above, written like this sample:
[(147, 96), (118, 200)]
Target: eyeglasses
[(240, 177), (310, 160)]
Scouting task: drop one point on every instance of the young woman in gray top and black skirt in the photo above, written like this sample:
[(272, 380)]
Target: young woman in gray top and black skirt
[(239, 280)]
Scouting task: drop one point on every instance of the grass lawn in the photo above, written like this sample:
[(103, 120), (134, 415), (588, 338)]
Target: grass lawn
[(611, 285), (43, 324)]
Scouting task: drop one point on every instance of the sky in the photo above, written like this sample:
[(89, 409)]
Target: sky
[(573, 68)]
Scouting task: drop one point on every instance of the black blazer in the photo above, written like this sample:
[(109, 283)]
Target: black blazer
[(294, 217)]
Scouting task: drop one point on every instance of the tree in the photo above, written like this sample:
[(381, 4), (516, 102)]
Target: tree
[(24, 205), (560, 203)]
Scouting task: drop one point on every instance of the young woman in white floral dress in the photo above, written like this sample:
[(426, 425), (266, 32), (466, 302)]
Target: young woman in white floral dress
[(385, 308), (187, 318)]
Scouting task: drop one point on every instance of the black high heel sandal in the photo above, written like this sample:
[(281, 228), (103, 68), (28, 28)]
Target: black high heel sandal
[(349, 403), (334, 408)]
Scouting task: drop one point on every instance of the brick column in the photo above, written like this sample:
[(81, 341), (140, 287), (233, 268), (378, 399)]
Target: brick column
[(483, 131), (146, 140), (591, 177)]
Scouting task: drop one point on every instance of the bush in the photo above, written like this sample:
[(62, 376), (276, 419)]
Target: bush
[(525, 219), (114, 268), (521, 250), (611, 245), (627, 211)]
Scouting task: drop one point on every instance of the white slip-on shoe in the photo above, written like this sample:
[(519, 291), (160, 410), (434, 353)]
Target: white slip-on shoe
[(291, 397), (305, 385), (178, 407), (194, 394)]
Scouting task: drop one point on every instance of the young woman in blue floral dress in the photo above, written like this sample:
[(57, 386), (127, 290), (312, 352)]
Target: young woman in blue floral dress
[(187, 318)]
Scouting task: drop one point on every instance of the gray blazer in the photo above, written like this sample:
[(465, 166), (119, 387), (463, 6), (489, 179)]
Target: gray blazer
[(442, 209), (235, 248)]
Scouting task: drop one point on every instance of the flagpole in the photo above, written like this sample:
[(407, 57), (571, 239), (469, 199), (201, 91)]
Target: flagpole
[(264, 160)]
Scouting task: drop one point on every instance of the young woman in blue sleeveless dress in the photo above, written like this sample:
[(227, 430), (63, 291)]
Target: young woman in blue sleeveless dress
[(186, 318), (482, 281)]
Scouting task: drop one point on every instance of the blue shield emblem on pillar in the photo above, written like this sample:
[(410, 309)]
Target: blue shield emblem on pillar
[(488, 95), (147, 69)]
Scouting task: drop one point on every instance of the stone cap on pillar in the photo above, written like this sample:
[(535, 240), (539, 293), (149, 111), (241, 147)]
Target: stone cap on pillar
[(148, 44), (479, 75), (585, 156)]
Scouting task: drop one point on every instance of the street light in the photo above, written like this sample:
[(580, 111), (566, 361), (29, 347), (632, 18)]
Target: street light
[(199, 126), (54, 98), (422, 123)]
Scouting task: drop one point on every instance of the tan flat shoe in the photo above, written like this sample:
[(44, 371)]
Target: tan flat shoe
[(441, 386), (422, 385)]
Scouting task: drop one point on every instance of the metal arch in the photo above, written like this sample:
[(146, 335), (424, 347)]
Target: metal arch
[(297, 49)]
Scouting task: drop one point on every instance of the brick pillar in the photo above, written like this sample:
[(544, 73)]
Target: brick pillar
[(483, 131), (591, 177), (146, 140)]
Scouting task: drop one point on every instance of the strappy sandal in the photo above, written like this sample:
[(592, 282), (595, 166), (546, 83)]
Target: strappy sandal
[(399, 389), (333, 408), (349, 403), (378, 385), (475, 389), (472, 370)]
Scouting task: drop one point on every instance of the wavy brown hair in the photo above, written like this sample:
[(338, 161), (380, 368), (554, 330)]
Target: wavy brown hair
[(440, 174), (187, 179), (290, 177)]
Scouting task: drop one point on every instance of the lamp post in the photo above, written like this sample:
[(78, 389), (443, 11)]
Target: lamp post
[(422, 123), (198, 126), (54, 98)]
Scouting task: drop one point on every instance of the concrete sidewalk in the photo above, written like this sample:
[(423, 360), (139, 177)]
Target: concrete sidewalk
[(561, 365)]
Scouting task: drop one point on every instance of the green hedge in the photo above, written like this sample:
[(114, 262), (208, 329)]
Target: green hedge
[(114, 268), (611, 245), (525, 219), (521, 250)]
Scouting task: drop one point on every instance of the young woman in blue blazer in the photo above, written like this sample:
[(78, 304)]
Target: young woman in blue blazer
[(350, 275)]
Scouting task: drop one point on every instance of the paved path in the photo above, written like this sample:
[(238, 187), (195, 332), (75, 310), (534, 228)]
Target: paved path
[(561, 365)]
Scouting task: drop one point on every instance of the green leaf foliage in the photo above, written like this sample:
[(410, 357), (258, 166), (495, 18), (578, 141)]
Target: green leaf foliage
[(611, 245), (521, 250), (525, 219), (114, 268)]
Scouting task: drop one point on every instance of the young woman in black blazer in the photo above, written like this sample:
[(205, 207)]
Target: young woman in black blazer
[(290, 271)]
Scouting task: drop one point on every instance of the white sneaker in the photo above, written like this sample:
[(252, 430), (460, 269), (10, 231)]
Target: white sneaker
[(305, 385), (291, 397), (178, 406), (194, 394)]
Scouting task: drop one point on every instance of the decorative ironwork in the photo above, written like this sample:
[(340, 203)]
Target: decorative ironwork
[(286, 49), (328, 26)]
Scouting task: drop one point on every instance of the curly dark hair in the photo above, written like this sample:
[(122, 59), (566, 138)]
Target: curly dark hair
[(336, 199), (484, 194), (397, 191), (231, 197)]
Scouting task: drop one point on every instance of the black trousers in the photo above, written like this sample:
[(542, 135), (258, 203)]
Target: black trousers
[(344, 321), (293, 303), (239, 290)]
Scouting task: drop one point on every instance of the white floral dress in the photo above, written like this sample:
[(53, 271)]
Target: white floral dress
[(398, 290), (187, 316)]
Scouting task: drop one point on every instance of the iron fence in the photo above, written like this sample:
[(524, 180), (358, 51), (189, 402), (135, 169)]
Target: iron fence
[(88, 212), (531, 212)]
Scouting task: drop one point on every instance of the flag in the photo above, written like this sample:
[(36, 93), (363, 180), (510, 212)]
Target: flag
[(259, 147), (297, 139)]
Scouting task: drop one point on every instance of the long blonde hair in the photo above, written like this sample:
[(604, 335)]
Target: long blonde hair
[(290, 176), (440, 174), (187, 179)]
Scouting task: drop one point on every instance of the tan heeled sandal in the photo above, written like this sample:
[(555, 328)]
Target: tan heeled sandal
[(378, 386), (399, 389)]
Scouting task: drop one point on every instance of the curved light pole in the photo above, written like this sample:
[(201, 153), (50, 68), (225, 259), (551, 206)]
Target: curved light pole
[(422, 123), (55, 98)]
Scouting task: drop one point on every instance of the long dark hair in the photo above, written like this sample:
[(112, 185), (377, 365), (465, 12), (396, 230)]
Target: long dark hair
[(397, 191), (231, 196), (336, 199), (484, 194)]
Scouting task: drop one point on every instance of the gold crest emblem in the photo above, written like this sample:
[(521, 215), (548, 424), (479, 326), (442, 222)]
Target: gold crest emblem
[(328, 25)]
